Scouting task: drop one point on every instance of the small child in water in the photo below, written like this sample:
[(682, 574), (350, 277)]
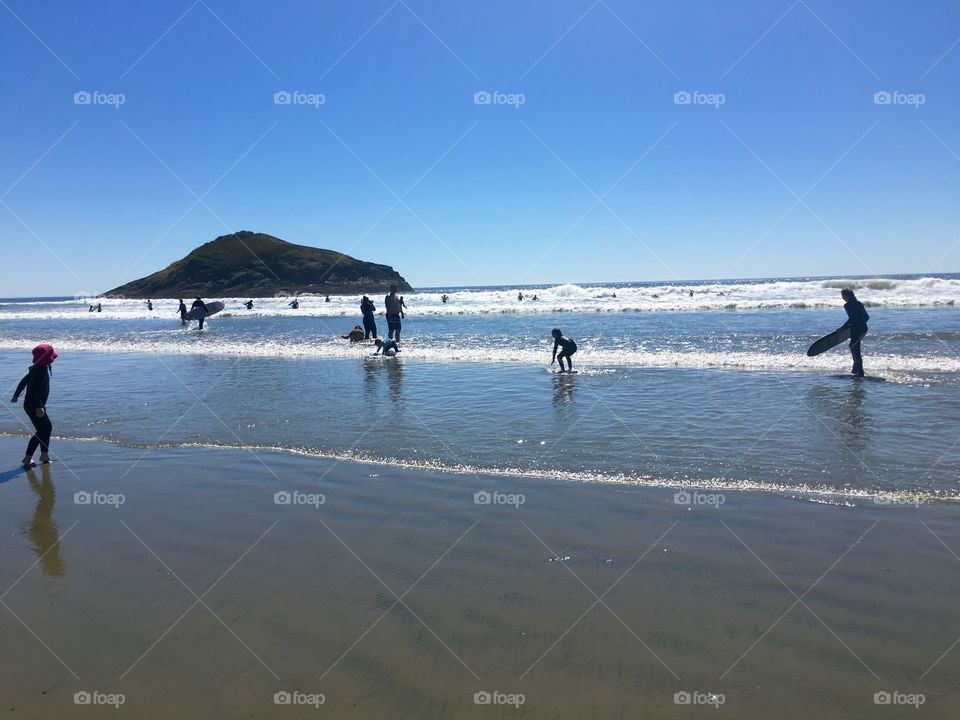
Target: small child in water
[(37, 384), (567, 348), (388, 346)]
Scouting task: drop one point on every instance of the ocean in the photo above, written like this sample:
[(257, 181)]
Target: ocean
[(700, 385)]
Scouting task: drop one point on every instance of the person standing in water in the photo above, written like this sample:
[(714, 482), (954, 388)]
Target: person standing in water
[(567, 348), (37, 384), (367, 309), (150, 305), (183, 312), (198, 303), (394, 306), (857, 322)]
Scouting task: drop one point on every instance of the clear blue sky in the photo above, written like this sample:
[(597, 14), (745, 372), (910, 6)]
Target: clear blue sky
[(95, 195)]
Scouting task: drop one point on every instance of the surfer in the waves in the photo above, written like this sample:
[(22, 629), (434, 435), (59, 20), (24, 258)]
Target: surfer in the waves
[(183, 312), (394, 306), (857, 322), (37, 384), (367, 309), (198, 303), (388, 346), (567, 347)]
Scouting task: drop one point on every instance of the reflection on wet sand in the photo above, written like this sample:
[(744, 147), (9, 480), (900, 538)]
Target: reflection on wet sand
[(43, 530)]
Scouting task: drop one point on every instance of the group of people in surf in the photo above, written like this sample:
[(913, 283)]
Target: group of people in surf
[(36, 383)]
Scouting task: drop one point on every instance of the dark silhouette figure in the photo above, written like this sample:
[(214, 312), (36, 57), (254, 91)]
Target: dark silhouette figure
[(37, 384), (367, 309), (567, 347), (857, 318), (198, 303), (183, 312)]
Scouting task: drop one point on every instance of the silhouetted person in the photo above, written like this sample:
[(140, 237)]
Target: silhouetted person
[(367, 309), (567, 348), (37, 384), (149, 305), (249, 304), (183, 312), (394, 306), (198, 303), (857, 322), (295, 304), (519, 297)]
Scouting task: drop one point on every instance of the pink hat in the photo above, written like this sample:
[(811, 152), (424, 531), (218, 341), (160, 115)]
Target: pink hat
[(44, 354)]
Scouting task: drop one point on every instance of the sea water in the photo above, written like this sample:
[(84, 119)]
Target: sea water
[(688, 385)]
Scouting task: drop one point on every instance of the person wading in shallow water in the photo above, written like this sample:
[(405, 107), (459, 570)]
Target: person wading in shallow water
[(37, 384), (857, 322), (394, 306)]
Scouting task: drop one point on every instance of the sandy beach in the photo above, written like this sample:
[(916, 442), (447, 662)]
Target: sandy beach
[(179, 583)]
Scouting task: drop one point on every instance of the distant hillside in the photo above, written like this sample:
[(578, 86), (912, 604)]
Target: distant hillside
[(257, 265)]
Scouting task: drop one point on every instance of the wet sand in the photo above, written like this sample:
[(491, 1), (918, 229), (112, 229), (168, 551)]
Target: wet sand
[(201, 597)]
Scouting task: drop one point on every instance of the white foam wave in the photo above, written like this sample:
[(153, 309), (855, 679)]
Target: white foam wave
[(718, 296)]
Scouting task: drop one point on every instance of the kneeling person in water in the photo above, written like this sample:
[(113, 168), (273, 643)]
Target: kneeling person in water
[(388, 346), (355, 335), (567, 347)]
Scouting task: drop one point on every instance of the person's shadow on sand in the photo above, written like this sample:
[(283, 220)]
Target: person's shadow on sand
[(43, 531)]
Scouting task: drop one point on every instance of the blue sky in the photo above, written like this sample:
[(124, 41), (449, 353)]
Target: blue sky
[(782, 164)]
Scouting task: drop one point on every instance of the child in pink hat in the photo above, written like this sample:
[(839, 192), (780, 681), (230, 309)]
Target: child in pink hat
[(37, 384)]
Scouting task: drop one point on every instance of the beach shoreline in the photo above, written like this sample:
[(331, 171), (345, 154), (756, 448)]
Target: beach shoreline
[(498, 593)]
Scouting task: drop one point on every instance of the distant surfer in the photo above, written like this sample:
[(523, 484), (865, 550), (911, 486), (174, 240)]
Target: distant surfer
[(198, 303), (567, 347), (355, 335), (327, 299), (444, 298), (388, 346), (857, 322), (150, 305), (294, 304), (519, 297), (249, 304), (183, 312), (96, 308), (394, 306), (535, 298), (367, 309), (37, 384)]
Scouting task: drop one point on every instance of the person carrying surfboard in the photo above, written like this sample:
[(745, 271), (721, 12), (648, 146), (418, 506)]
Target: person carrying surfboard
[(198, 303), (567, 348), (857, 322), (37, 384)]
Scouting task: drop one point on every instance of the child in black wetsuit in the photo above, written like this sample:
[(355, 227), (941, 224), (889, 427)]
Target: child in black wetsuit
[(857, 322), (37, 384), (567, 348)]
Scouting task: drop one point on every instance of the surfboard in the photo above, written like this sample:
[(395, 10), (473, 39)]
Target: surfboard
[(212, 309), (828, 341)]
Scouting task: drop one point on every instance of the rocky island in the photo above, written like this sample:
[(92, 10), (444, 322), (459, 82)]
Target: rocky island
[(252, 264)]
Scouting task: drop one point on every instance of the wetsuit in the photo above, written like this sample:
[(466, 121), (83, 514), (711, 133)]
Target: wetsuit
[(857, 322), (37, 384), (567, 348), (367, 308), (394, 308), (199, 304), (389, 345), (183, 313)]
